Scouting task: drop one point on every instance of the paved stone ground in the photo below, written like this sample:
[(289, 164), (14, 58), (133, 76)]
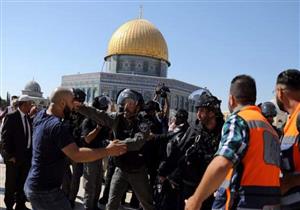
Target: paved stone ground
[(78, 206)]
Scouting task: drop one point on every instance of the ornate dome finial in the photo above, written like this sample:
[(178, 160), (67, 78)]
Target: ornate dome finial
[(141, 12)]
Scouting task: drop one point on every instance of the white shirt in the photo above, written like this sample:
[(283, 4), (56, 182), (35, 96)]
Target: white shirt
[(28, 128), (10, 109)]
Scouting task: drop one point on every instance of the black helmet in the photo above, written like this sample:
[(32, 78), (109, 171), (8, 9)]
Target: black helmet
[(101, 102), (204, 98), (152, 105), (79, 95), (134, 95), (268, 109), (182, 114)]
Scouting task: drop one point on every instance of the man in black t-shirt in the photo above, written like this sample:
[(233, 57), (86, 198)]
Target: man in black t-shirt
[(52, 143)]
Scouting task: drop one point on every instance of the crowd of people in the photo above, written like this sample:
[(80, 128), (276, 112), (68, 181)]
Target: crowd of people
[(167, 163)]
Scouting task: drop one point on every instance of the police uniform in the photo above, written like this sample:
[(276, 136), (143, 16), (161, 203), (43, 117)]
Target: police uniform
[(130, 167), (201, 145)]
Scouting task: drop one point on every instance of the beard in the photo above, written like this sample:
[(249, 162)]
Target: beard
[(128, 114), (280, 104), (205, 119), (67, 112), (209, 122)]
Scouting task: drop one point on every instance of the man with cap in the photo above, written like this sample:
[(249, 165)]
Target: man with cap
[(16, 150)]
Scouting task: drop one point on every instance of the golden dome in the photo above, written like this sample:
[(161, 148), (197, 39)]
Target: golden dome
[(138, 37)]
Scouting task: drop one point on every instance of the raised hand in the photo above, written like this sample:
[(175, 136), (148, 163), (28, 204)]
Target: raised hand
[(116, 148)]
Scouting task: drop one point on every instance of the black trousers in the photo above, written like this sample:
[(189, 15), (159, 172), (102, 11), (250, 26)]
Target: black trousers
[(167, 198), (16, 174)]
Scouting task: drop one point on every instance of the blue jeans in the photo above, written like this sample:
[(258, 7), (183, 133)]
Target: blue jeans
[(48, 200)]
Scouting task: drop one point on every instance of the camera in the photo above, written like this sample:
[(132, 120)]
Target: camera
[(144, 122), (162, 90)]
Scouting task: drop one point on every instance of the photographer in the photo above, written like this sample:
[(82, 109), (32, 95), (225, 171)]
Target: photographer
[(157, 118), (161, 95)]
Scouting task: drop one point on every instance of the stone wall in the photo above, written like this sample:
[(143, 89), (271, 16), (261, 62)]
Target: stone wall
[(139, 65), (110, 84)]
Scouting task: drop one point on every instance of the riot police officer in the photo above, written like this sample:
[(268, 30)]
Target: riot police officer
[(161, 95), (269, 111), (130, 167), (199, 145)]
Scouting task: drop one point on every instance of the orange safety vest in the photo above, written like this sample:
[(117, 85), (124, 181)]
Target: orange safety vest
[(254, 182), (291, 157)]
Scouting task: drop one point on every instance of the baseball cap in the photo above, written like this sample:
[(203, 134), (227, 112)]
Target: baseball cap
[(24, 98)]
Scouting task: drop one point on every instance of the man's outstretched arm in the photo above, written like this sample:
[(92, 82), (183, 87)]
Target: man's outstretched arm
[(83, 154)]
